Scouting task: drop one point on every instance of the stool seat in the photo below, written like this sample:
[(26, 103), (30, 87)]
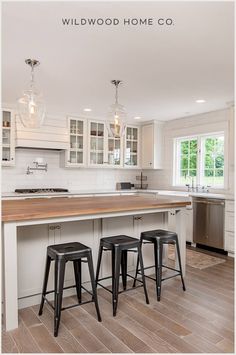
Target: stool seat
[(69, 251), (164, 235), (121, 241)]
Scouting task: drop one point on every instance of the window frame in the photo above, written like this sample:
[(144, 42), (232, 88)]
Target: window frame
[(200, 158)]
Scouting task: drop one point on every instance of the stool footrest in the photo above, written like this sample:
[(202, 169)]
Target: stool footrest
[(167, 267), (170, 268), (131, 288), (166, 278), (170, 277), (64, 288), (128, 289), (72, 306), (76, 305), (109, 277)]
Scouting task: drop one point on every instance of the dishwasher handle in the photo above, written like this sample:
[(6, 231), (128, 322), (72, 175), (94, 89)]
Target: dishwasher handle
[(209, 202)]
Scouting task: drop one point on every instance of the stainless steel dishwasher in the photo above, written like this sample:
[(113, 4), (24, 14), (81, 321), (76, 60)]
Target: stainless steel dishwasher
[(208, 222)]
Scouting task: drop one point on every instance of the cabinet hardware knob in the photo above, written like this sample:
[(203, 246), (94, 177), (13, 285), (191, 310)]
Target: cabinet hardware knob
[(54, 227)]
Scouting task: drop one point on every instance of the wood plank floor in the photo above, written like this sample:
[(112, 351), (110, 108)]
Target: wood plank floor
[(200, 320)]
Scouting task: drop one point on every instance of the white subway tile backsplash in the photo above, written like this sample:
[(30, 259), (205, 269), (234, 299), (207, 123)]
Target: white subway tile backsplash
[(56, 176)]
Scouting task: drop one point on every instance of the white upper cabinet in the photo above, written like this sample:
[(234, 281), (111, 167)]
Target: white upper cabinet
[(76, 154), (151, 145), (131, 150), (114, 156), (96, 143), (8, 137), (103, 150)]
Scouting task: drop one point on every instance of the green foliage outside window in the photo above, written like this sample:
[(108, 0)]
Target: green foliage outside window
[(212, 156), (188, 160), (214, 161)]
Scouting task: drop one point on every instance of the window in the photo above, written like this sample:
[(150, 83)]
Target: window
[(200, 159)]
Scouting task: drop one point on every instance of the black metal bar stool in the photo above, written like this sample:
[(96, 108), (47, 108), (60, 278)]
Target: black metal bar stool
[(158, 238), (61, 253), (119, 246)]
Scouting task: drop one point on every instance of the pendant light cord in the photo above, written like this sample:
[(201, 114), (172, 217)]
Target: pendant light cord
[(116, 96), (32, 77)]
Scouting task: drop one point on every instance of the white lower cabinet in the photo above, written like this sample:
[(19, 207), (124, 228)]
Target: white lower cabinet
[(117, 226), (229, 226), (83, 232), (149, 222), (188, 221), (32, 248), (189, 225), (131, 226), (229, 241)]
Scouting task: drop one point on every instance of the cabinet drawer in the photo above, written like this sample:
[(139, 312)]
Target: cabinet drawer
[(229, 206), (229, 221), (229, 241)]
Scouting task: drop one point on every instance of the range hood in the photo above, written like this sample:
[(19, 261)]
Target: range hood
[(53, 134)]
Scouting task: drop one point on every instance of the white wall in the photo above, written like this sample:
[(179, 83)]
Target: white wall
[(56, 176), (198, 124)]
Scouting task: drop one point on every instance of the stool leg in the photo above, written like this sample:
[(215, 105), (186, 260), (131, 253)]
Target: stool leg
[(124, 268), (59, 282), (137, 265), (180, 266), (142, 273), (93, 284), (116, 256), (99, 263), (78, 278), (45, 282), (136, 272), (158, 268)]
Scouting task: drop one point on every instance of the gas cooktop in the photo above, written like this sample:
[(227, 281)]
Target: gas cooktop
[(42, 190)]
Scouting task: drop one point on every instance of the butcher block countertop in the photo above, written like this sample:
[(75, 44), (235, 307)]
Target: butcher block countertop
[(41, 208)]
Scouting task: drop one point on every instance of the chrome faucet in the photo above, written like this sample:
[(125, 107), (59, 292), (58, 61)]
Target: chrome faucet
[(38, 166), (191, 186), (198, 188)]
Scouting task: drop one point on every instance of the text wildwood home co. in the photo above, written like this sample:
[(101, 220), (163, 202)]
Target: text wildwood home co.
[(116, 22)]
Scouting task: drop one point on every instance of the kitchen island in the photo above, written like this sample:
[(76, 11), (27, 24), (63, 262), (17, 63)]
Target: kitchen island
[(110, 215)]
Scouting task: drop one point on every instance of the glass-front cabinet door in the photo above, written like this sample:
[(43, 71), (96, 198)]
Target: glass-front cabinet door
[(132, 147), (8, 138), (77, 148), (114, 156), (96, 143)]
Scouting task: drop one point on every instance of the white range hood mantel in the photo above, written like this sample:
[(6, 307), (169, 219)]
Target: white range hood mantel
[(53, 134)]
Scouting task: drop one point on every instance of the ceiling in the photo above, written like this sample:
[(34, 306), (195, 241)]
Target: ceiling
[(164, 68)]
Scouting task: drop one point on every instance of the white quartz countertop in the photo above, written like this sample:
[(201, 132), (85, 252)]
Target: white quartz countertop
[(13, 195)]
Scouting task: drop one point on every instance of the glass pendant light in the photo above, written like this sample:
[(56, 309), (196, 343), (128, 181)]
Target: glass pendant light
[(31, 105), (117, 116)]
